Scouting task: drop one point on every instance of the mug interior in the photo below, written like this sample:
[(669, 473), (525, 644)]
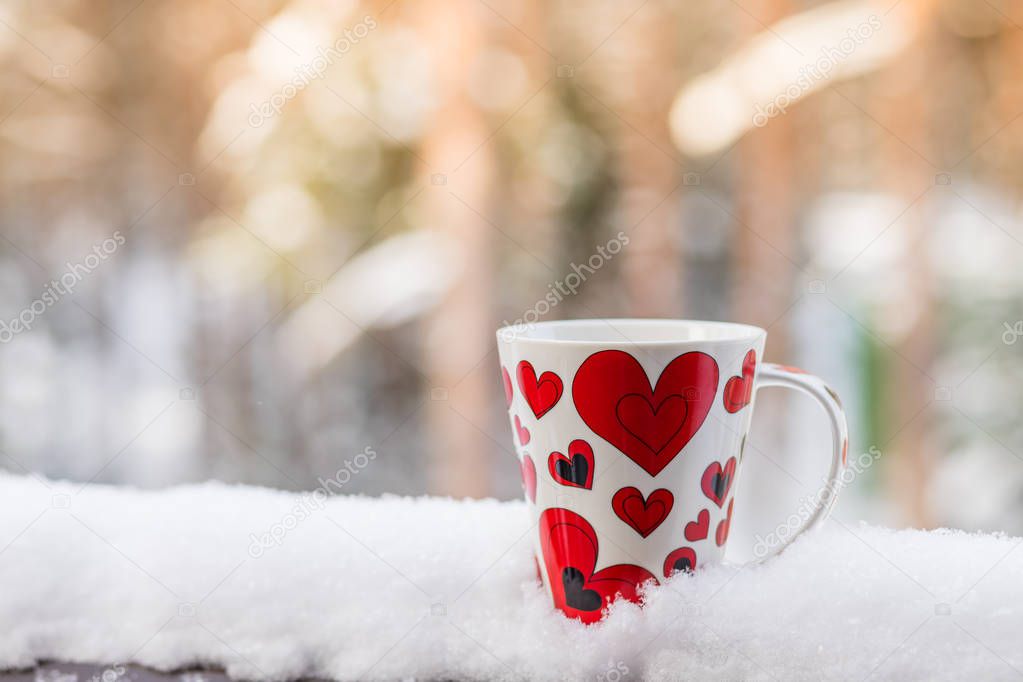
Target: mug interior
[(629, 331)]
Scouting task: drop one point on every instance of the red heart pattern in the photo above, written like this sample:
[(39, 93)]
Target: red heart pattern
[(576, 469), (541, 394), (650, 426), (717, 481), (569, 547), (738, 391), (681, 560), (650, 423), (507, 383), (642, 515), (698, 529), (521, 431), (528, 468), (726, 524)]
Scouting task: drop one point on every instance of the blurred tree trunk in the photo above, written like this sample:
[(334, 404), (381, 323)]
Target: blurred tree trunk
[(904, 109), (650, 208), (763, 277), (536, 221), (458, 333), (1009, 103)]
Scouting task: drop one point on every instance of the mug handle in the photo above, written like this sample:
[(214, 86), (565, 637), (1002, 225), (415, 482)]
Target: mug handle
[(792, 377)]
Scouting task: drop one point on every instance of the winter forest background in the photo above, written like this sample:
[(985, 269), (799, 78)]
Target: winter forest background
[(250, 239)]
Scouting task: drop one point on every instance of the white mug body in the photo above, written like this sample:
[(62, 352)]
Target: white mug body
[(633, 432)]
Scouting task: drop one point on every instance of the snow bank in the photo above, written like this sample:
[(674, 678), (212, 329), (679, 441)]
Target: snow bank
[(275, 585)]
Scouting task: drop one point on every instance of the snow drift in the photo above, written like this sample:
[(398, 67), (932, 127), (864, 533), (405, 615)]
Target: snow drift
[(277, 585)]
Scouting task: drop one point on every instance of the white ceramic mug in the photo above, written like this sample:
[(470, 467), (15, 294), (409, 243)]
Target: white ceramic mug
[(630, 436)]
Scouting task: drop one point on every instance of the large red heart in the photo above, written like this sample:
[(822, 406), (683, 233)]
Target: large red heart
[(651, 426), (576, 469), (570, 548), (698, 529), (542, 394), (506, 382), (644, 516), (717, 481), (528, 477), (738, 391)]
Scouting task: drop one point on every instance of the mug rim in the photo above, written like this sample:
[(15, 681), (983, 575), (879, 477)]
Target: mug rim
[(669, 329)]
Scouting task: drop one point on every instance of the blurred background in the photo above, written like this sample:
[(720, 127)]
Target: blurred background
[(249, 239)]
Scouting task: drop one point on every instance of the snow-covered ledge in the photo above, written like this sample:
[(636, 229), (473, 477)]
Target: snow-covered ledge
[(276, 585)]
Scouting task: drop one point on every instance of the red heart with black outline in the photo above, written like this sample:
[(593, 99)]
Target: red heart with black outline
[(541, 394), (698, 529), (650, 426), (521, 432), (726, 525), (570, 548), (576, 469), (717, 481), (642, 515), (528, 468), (507, 383), (738, 391), (681, 560)]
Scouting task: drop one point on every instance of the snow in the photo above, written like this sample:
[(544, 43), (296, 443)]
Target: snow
[(390, 588)]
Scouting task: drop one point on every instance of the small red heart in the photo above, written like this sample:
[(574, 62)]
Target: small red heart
[(739, 389), (698, 529), (576, 469), (506, 380), (717, 481), (541, 394), (528, 477), (569, 548), (726, 524), (642, 515), (521, 431), (682, 560)]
